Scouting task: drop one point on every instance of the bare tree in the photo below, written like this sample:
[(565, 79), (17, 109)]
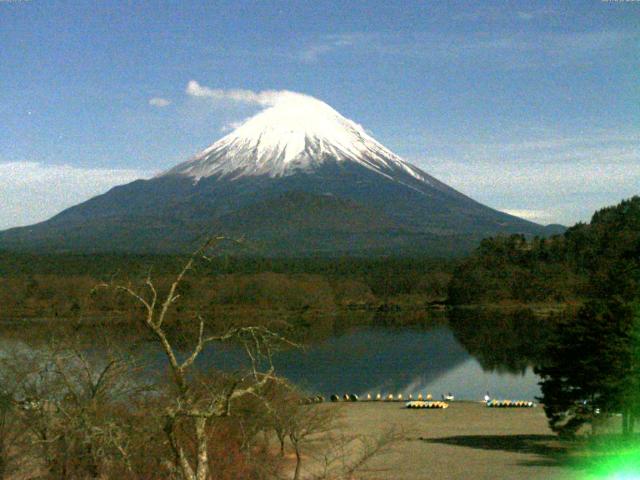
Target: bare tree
[(306, 426), (64, 408), (80, 407), (293, 417), (321, 450), (11, 431), (192, 407)]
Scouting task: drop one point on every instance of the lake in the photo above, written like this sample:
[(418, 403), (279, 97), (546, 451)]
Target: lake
[(473, 353), (469, 355), (379, 360)]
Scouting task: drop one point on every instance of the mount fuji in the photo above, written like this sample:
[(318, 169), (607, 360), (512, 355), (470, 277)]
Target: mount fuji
[(298, 178)]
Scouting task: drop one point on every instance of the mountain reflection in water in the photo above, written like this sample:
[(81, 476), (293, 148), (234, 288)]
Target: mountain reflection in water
[(475, 351), (479, 351), (383, 361)]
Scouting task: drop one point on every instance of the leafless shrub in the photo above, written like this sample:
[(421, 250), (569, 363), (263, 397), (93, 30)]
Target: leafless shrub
[(193, 404), (84, 407)]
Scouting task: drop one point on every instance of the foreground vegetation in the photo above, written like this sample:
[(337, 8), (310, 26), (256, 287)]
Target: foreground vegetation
[(85, 408)]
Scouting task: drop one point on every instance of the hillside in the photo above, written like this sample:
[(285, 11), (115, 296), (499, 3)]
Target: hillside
[(586, 259)]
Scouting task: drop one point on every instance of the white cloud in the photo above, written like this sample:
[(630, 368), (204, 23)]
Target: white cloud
[(159, 102), (526, 16), (263, 98), (558, 180), (491, 14), (540, 216), (33, 191), (311, 53), (329, 43), (570, 144)]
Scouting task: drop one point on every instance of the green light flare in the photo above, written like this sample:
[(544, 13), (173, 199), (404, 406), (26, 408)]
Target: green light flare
[(624, 465)]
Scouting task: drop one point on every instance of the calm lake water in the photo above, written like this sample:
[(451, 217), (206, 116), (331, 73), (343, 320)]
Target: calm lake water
[(379, 360), (469, 355)]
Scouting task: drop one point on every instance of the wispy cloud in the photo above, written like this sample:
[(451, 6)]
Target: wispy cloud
[(329, 43), (33, 191), (263, 98), (159, 102), (572, 144), (526, 16), (539, 216), (508, 50), (495, 14)]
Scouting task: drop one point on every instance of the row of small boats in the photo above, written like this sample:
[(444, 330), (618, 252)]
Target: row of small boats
[(423, 404), (352, 397), (510, 404), (417, 402)]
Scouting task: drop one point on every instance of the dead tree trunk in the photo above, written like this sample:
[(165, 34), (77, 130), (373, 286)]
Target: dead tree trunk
[(296, 474), (202, 472)]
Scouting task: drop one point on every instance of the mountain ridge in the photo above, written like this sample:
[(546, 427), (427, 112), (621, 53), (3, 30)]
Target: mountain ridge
[(297, 178)]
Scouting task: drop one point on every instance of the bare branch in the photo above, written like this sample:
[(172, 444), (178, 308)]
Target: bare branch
[(138, 297), (171, 296), (198, 348), (154, 293)]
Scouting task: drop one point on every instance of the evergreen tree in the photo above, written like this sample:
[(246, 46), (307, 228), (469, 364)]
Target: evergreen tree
[(594, 363), (592, 367)]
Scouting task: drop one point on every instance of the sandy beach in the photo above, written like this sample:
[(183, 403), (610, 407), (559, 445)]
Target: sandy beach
[(465, 441)]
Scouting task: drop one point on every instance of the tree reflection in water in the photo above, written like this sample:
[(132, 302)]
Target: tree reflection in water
[(502, 340)]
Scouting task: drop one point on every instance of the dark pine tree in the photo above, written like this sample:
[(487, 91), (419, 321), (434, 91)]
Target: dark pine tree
[(592, 367)]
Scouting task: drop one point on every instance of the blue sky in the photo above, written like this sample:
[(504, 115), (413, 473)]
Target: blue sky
[(530, 107)]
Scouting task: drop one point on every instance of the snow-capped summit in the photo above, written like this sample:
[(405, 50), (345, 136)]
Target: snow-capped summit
[(296, 133), (296, 179)]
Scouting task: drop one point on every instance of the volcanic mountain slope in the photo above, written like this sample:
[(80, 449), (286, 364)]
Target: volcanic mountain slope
[(296, 179)]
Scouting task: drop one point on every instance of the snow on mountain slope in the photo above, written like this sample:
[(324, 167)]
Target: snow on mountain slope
[(297, 179), (296, 134)]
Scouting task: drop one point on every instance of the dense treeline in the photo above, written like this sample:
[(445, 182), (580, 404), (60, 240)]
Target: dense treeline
[(61, 285), (563, 268), (591, 368), (510, 270), (12, 263), (517, 270)]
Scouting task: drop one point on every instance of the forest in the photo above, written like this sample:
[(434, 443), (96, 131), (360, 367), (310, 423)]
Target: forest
[(589, 361), (588, 259), (60, 286), (509, 271)]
